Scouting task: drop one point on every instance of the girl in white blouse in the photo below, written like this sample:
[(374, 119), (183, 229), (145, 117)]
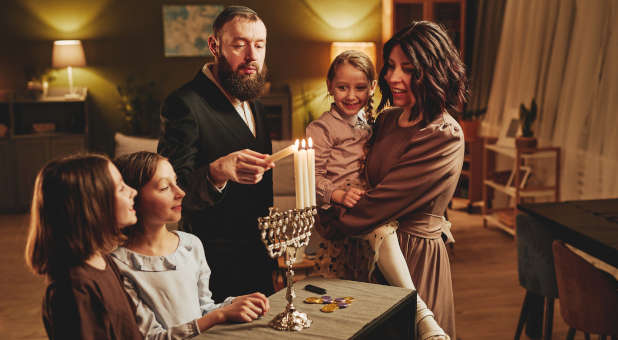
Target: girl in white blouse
[(165, 272)]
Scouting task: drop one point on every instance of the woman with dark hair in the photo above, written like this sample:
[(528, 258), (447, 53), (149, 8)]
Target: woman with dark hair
[(79, 205), (415, 160), (165, 272)]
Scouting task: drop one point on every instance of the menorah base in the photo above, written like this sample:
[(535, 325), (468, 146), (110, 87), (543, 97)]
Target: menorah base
[(290, 320)]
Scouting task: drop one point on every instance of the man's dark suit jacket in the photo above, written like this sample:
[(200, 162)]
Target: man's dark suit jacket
[(199, 125)]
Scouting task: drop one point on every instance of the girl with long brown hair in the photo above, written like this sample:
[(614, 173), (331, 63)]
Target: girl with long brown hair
[(79, 206)]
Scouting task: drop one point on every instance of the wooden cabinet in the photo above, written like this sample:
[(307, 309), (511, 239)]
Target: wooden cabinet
[(277, 113), (470, 181), (396, 14), (514, 184), (38, 131)]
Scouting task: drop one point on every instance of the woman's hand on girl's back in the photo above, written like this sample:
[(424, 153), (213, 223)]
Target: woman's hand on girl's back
[(246, 308)]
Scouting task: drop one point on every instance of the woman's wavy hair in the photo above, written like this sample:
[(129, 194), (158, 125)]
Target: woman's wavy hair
[(73, 214), (439, 81), (137, 169)]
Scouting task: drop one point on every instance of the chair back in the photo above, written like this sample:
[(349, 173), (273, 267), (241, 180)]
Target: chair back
[(535, 261), (588, 296)]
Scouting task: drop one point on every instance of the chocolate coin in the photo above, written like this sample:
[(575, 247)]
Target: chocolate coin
[(331, 307), (313, 299)]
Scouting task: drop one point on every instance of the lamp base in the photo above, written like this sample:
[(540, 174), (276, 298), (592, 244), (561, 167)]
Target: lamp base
[(72, 95)]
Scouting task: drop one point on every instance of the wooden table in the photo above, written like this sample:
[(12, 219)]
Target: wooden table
[(378, 311), (591, 226)]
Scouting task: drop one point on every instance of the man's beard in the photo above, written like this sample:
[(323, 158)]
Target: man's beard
[(243, 87)]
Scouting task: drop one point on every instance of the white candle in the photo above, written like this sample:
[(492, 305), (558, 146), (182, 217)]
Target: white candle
[(281, 154), (305, 172), (311, 171), (298, 178)]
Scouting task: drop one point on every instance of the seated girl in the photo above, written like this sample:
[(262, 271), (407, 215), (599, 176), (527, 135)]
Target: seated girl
[(79, 205), (165, 272)]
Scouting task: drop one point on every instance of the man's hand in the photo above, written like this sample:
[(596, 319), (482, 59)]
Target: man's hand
[(246, 308), (244, 166), (347, 198)]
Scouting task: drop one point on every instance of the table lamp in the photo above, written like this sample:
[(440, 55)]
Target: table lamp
[(68, 53), (368, 48)]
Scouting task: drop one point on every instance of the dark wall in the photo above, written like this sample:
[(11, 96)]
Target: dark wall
[(123, 38)]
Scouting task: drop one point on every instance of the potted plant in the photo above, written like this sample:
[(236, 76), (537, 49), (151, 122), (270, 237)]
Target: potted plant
[(39, 82), (140, 108), (141, 124), (470, 121), (526, 119)]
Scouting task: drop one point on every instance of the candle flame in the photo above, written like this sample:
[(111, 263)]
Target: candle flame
[(296, 144), (310, 143), (304, 144)]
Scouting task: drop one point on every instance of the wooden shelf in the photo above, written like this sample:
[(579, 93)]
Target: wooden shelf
[(470, 183), (499, 223), (277, 113), (515, 187), (528, 154), (512, 191), (46, 135), (24, 152)]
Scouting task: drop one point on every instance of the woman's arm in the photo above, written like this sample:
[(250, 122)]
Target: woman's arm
[(430, 163)]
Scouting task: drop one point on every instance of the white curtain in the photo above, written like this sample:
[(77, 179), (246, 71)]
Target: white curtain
[(564, 53)]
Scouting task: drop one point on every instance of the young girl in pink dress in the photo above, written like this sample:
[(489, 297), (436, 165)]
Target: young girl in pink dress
[(339, 137)]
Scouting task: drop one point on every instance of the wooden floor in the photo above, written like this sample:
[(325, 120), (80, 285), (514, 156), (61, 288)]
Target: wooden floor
[(488, 297)]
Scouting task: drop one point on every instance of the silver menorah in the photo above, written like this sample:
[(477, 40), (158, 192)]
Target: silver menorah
[(283, 233)]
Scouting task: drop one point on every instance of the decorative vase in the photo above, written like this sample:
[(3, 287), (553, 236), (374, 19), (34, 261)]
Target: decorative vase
[(470, 129), (526, 142)]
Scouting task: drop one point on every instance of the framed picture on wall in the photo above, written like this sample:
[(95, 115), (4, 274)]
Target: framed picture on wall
[(186, 29)]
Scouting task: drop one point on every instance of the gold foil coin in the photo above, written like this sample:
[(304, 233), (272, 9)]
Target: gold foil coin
[(331, 307), (313, 299)]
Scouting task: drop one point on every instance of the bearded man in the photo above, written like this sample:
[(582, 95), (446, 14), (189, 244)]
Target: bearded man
[(214, 135)]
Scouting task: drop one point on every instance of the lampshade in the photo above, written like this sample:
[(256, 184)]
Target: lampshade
[(68, 53), (368, 48)]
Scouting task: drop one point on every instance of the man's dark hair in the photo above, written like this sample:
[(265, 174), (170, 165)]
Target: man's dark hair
[(230, 13), (439, 81)]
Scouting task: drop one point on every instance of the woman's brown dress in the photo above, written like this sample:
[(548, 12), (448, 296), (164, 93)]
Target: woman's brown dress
[(413, 173)]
